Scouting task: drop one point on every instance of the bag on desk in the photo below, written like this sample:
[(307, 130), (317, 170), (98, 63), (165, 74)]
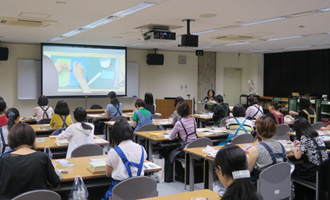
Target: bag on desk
[(79, 190)]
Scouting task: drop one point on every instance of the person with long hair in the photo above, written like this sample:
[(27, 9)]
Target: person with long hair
[(61, 119), (266, 153), (114, 108), (24, 169), (274, 112), (231, 167), (43, 111), (311, 149), (254, 110), (126, 159), (149, 100), (305, 110), (78, 133), (13, 117)]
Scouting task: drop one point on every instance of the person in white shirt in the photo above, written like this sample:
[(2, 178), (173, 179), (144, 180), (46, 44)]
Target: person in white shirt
[(254, 110), (43, 111), (78, 133), (126, 159)]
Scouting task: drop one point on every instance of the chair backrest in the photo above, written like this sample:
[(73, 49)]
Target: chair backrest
[(118, 118), (87, 150), (244, 138), (275, 182), (200, 142), (148, 127), (96, 106), (317, 125), (223, 122), (44, 121), (135, 188), (282, 130), (155, 116), (38, 194)]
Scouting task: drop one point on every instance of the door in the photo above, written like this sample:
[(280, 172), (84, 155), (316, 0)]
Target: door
[(232, 85)]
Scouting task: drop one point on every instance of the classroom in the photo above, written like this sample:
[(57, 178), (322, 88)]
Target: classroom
[(277, 48)]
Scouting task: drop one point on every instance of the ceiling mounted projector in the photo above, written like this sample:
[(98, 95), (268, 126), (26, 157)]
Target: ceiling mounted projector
[(188, 40), (159, 35)]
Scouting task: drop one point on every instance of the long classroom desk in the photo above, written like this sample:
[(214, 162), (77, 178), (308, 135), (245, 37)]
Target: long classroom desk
[(80, 168), (206, 194), (42, 130), (208, 163), (163, 137)]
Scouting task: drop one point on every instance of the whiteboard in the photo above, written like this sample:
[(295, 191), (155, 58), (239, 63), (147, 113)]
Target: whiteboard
[(28, 79), (132, 80)]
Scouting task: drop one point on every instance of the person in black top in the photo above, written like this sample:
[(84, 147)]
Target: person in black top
[(149, 100), (221, 110), (24, 169), (305, 110), (231, 167)]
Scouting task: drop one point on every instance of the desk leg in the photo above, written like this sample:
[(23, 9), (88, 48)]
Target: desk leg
[(191, 173), (149, 149), (210, 173)]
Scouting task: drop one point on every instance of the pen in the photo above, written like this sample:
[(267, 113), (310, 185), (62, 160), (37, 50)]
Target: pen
[(295, 140), (248, 148)]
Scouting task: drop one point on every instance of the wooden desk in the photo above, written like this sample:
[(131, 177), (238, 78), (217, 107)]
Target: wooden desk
[(29, 120), (43, 130), (79, 167), (100, 111), (160, 139), (208, 163), (207, 194), (201, 117)]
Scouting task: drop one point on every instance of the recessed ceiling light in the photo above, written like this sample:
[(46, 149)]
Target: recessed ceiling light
[(207, 31), (208, 15), (237, 43), (324, 9), (61, 2), (263, 21), (261, 50), (299, 47), (285, 38), (136, 44)]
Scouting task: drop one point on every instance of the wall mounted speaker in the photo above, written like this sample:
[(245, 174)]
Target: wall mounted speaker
[(155, 59), (4, 53)]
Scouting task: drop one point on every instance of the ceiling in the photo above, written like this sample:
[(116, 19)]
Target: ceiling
[(73, 14)]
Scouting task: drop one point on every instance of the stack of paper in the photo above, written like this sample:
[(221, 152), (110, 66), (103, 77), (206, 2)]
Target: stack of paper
[(96, 167), (64, 142)]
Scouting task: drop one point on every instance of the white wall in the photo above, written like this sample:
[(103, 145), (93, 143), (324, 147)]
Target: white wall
[(162, 81)]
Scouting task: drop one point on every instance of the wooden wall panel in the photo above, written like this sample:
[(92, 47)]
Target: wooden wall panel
[(166, 107)]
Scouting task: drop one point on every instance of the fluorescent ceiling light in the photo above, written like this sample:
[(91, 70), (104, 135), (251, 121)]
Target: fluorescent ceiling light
[(134, 9), (301, 14), (136, 44), (285, 38), (263, 21), (261, 50), (299, 47), (206, 47), (324, 9), (105, 20), (237, 43), (207, 31)]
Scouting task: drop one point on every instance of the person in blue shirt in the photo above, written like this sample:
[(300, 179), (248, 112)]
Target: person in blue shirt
[(113, 109)]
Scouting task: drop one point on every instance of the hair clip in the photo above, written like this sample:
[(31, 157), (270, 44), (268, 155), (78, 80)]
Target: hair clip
[(11, 114), (241, 174)]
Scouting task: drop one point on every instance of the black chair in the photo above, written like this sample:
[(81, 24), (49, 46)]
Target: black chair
[(96, 106), (44, 121), (98, 124)]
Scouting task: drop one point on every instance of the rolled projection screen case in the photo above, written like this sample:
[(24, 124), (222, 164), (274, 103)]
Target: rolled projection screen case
[(155, 59)]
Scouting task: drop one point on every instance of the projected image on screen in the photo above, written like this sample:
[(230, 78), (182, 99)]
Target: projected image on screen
[(83, 71)]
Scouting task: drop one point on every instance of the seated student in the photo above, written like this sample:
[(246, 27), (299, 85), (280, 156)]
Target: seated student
[(126, 159), (43, 111), (254, 110), (266, 153), (238, 125), (185, 131), (13, 118), (221, 110), (230, 165), (313, 152), (142, 116), (210, 106), (113, 109), (3, 117), (276, 115), (305, 110), (61, 119), (24, 169), (176, 116), (78, 133), (149, 100)]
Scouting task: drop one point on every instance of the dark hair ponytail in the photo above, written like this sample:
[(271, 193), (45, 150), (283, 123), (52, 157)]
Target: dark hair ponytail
[(80, 115), (12, 115), (276, 105), (113, 96)]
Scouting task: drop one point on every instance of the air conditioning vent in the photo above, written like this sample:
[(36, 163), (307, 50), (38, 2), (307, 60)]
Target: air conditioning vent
[(25, 22), (236, 37)]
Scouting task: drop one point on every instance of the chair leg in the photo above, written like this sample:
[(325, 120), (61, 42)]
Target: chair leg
[(173, 170)]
